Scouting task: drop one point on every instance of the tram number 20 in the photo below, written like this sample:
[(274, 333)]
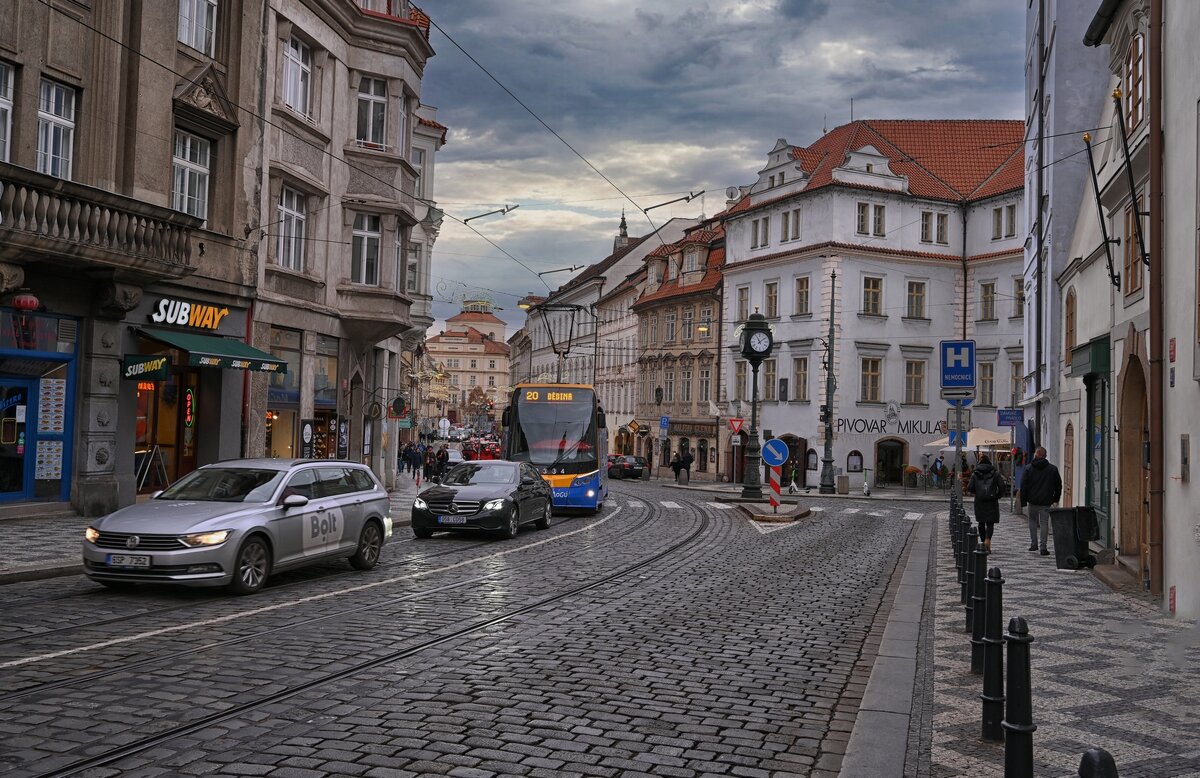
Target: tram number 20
[(532, 396)]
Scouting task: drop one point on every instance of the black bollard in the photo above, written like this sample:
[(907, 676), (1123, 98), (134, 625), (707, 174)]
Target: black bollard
[(1018, 718), (975, 614), (968, 585), (1097, 763), (993, 658), (964, 527)]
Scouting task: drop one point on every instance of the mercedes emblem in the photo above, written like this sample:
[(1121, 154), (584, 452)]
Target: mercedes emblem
[(451, 508), (132, 541)]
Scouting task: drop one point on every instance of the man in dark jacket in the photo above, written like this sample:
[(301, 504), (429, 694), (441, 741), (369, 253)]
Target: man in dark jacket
[(987, 485), (1041, 486)]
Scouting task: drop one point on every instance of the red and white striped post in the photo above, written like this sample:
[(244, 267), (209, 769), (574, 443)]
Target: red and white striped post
[(774, 495)]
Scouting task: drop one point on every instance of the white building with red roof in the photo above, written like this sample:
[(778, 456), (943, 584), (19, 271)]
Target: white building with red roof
[(922, 223), (473, 354)]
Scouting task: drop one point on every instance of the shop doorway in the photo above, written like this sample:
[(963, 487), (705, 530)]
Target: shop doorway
[(15, 418), (889, 458), (1135, 471), (167, 429)]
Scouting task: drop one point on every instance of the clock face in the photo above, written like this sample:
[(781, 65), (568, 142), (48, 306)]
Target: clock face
[(760, 342)]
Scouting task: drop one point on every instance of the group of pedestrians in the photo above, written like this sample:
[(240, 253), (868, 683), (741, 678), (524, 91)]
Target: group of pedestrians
[(423, 460), (1041, 488), (681, 463)]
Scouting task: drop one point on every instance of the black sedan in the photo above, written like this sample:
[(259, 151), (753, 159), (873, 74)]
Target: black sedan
[(625, 466), (484, 495)]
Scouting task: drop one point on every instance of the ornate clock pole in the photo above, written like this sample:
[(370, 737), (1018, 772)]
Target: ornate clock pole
[(757, 343)]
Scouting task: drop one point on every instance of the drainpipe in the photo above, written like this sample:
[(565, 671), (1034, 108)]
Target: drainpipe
[(1039, 259), (1154, 206), (963, 208)]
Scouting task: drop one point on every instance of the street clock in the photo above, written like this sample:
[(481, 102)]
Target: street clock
[(757, 340)]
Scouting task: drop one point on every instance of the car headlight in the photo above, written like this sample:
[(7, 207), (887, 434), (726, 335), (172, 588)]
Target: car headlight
[(494, 505), (419, 503), (207, 538), (92, 534)]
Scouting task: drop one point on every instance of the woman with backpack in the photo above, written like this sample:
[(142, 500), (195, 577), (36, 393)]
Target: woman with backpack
[(988, 486)]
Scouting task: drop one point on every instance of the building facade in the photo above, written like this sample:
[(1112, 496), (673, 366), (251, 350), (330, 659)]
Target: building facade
[(898, 234), (474, 355), (338, 200), (616, 371), (679, 355)]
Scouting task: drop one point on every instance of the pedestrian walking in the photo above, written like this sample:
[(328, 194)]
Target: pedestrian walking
[(1041, 488), (938, 464), (685, 463), (988, 486), (676, 464)]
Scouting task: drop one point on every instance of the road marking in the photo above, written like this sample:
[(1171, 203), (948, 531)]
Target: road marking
[(636, 504), (851, 510), (913, 516), (721, 506), (816, 510), (301, 601), (669, 504), (768, 528), (877, 513)]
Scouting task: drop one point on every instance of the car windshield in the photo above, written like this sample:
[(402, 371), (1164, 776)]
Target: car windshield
[(473, 474), (225, 484)]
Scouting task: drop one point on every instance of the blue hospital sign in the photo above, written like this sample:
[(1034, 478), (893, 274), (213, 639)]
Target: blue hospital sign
[(958, 364)]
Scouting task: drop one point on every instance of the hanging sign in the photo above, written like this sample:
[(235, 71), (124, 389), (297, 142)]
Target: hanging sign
[(145, 367), (189, 407)]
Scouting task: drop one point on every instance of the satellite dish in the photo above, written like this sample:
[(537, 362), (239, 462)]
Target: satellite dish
[(732, 193)]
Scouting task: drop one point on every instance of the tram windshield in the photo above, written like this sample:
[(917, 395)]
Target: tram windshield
[(555, 429)]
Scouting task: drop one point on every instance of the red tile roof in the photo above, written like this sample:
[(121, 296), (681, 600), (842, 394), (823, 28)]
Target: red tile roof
[(944, 159), (435, 125), (592, 271), (472, 335), (671, 289), (478, 316)]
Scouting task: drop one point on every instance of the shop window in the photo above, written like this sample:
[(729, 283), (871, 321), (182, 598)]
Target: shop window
[(811, 460), (854, 462)]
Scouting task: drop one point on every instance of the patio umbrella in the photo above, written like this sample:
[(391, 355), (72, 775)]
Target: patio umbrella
[(976, 438)]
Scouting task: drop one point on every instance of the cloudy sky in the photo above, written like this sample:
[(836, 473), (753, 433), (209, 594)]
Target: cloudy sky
[(667, 97)]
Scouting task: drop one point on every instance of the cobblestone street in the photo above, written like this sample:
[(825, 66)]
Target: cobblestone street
[(667, 636)]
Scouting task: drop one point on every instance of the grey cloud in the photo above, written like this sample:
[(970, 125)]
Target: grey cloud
[(803, 10)]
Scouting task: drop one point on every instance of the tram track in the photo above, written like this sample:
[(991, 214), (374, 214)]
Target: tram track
[(471, 630), (306, 622)]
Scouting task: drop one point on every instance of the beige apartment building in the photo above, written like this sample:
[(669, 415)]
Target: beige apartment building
[(473, 354)]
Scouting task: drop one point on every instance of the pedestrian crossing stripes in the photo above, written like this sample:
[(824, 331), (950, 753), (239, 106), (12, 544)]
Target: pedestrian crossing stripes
[(636, 504), (913, 516), (721, 506), (669, 504), (851, 510)]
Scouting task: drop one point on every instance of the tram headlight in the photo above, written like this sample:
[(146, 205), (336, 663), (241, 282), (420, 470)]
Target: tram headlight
[(583, 480)]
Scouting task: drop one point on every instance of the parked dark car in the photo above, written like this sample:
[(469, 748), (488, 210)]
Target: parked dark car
[(626, 466), (484, 495)]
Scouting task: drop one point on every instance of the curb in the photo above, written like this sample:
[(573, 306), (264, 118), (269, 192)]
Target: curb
[(57, 568), (881, 727), (884, 496)]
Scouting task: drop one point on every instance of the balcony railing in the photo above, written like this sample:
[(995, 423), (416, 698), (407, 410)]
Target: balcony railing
[(49, 217)]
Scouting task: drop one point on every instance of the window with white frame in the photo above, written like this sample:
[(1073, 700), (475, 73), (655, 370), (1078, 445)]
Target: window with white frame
[(754, 233), (743, 303), (739, 380), (943, 228), (418, 161), (670, 269), (1010, 220), (872, 295), (292, 218), (1134, 81), (987, 383), (491, 364), (491, 380), (796, 224), (987, 300), (870, 369), (1018, 297), (473, 364), (879, 221), (914, 382), (669, 327), (771, 299), (190, 165), (372, 113), (800, 379), (6, 109), (198, 25), (863, 220), (916, 300), (784, 218), (364, 259), (56, 129), (297, 77), (412, 278), (669, 386), (997, 223), (685, 385), (689, 259), (653, 331), (769, 382), (802, 300), (764, 234), (1017, 377), (704, 385), (706, 318), (688, 323), (927, 226), (471, 380)]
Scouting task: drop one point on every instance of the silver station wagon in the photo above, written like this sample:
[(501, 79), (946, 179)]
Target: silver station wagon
[(235, 523)]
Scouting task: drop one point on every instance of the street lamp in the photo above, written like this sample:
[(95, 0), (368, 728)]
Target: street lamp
[(503, 210), (827, 485), (757, 343), (573, 308)]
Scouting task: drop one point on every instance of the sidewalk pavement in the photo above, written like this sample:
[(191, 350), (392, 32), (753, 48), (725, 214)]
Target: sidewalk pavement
[(1108, 670), (885, 493), (50, 548)]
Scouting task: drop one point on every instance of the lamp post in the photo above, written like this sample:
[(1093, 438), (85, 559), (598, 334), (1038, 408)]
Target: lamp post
[(658, 398), (757, 343), (827, 485)]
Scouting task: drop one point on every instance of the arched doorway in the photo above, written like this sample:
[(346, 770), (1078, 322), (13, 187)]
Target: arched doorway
[(702, 455), (797, 457), (1068, 473), (1133, 463), (889, 460)]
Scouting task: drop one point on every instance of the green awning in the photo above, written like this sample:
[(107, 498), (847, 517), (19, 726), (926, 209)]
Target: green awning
[(210, 351)]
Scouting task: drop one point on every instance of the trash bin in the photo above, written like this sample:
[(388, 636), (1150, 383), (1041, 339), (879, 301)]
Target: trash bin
[(685, 476), (1071, 535), (843, 484)]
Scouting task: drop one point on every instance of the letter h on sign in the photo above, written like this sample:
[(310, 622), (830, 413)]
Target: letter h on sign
[(958, 364)]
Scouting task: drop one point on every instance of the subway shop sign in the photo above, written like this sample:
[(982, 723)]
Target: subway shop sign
[(144, 368), (184, 313)]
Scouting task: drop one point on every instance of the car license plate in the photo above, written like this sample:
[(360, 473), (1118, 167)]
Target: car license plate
[(452, 519), (128, 560)]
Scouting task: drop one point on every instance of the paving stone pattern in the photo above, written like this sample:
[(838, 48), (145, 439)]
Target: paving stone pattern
[(1107, 671), (735, 656)]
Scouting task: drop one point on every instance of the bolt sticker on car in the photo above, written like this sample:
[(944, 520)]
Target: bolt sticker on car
[(323, 530)]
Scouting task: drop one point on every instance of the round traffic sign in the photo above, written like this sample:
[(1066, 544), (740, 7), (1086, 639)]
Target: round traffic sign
[(774, 452)]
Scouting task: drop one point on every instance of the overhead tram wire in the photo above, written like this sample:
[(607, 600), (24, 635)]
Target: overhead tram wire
[(254, 114)]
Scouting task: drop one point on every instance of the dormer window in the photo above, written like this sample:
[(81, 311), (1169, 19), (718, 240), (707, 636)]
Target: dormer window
[(670, 270), (689, 260), (781, 179), (870, 168), (772, 184)]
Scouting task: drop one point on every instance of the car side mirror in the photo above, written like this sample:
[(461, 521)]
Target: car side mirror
[(294, 501)]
